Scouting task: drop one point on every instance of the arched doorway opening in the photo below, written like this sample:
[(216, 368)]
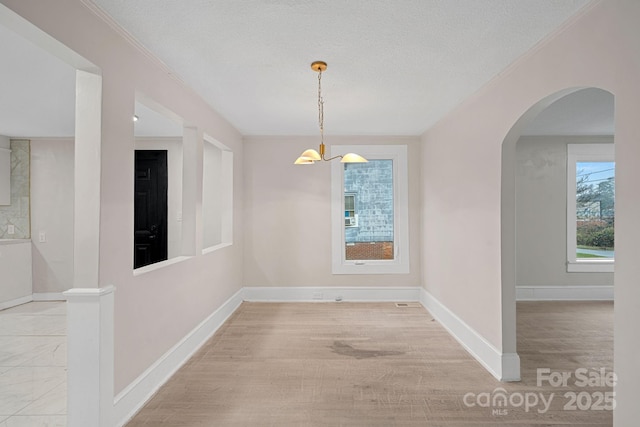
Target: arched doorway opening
[(535, 223)]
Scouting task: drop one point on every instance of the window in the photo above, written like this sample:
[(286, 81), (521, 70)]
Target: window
[(590, 208), (370, 211), (350, 216)]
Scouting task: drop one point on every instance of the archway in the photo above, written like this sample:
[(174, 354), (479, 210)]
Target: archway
[(508, 211)]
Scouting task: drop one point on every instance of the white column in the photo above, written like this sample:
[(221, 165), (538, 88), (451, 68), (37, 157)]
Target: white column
[(90, 356), (87, 178), (192, 152)]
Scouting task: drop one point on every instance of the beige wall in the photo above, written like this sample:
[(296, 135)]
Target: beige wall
[(52, 214), (288, 215), (458, 196), (462, 165), (541, 213), (155, 310)]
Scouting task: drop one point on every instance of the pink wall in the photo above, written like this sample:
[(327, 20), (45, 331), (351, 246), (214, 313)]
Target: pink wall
[(461, 174), (288, 215), (155, 310), (459, 190)]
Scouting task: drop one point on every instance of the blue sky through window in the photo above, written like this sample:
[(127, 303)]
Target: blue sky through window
[(596, 171)]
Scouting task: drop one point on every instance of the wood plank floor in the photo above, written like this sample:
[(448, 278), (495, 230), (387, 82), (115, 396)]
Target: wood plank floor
[(373, 364)]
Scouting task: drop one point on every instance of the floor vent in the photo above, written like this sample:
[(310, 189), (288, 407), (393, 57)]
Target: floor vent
[(408, 305)]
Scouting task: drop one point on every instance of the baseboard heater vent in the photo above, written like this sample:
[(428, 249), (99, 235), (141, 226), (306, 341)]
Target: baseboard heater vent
[(408, 305)]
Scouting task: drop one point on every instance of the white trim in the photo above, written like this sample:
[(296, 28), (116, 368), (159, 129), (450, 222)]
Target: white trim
[(49, 296), (86, 179), (503, 366), (400, 263), (510, 367), (159, 265), (591, 266), (44, 296), (329, 294), (74, 293), (215, 248), (15, 302), (90, 356), (583, 153), (129, 401), (564, 293), (129, 38)]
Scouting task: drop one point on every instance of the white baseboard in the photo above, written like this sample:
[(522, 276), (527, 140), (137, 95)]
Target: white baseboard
[(14, 302), (129, 401), (49, 296), (503, 366), (328, 294), (564, 293)]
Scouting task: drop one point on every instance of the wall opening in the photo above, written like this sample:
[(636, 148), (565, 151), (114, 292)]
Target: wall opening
[(533, 217)]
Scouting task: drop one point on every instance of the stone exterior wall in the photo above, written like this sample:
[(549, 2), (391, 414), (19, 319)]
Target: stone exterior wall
[(372, 184)]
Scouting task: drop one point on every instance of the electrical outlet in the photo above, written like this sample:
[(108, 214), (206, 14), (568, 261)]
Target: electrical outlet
[(11, 229), (317, 295), (42, 237)]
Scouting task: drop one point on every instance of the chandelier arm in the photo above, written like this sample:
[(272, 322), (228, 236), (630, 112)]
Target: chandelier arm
[(331, 158)]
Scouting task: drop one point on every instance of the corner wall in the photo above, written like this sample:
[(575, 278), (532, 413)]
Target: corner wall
[(288, 215), (461, 178)]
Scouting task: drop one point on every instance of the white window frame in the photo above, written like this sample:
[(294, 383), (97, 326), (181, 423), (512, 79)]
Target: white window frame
[(583, 153), (400, 263)]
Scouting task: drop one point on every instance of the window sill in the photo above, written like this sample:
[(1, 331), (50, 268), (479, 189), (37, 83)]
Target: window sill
[(159, 265), (371, 267), (215, 247), (590, 266)]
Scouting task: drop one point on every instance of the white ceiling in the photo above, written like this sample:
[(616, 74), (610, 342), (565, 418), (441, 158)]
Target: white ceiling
[(37, 90), (395, 68), (585, 112)]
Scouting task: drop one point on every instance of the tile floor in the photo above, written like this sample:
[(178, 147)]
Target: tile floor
[(33, 358)]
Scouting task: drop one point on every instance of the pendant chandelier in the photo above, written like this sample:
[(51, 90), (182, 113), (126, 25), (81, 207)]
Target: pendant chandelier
[(310, 156)]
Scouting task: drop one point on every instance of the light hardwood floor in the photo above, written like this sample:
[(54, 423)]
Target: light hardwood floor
[(373, 364)]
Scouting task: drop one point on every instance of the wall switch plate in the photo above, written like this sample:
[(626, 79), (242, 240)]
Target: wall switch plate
[(42, 237), (11, 229)]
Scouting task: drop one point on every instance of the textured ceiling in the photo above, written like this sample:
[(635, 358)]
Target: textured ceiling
[(395, 68)]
